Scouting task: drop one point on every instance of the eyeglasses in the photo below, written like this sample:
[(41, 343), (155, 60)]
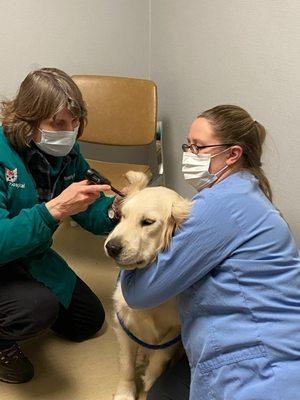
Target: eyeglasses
[(194, 148)]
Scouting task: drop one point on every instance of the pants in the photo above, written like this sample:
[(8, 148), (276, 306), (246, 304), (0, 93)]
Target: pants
[(27, 307), (173, 384)]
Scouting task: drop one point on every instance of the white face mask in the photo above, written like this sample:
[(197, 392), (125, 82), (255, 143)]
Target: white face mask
[(195, 168), (57, 143)]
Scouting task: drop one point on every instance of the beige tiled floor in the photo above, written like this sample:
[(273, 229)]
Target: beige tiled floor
[(75, 371)]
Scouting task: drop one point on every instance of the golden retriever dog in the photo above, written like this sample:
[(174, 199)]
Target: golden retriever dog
[(150, 215)]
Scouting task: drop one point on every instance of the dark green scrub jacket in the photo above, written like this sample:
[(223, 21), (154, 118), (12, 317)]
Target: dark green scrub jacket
[(26, 226)]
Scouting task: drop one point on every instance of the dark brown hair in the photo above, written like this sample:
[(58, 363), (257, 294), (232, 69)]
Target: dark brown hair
[(42, 94), (233, 124)]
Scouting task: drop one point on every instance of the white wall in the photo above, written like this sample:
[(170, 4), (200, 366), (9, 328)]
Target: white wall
[(108, 37), (210, 52), (200, 53)]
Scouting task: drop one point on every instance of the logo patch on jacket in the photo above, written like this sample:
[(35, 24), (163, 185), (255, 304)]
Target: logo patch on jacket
[(11, 175)]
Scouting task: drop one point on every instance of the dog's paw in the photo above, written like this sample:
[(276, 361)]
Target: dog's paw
[(124, 397), (125, 391)]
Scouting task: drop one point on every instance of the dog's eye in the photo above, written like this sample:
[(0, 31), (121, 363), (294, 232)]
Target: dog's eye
[(147, 221)]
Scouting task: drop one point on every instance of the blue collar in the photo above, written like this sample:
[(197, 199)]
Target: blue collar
[(144, 344)]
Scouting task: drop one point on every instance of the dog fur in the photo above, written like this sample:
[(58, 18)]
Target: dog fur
[(149, 218)]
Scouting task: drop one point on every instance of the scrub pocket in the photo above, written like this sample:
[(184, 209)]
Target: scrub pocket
[(244, 374)]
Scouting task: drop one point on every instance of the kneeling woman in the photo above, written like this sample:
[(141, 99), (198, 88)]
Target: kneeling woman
[(42, 181), (235, 269)]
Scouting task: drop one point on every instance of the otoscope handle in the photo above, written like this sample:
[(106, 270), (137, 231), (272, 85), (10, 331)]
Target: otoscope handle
[(95, 178)]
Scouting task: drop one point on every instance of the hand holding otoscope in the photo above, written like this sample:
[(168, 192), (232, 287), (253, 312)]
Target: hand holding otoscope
[(79, 196)]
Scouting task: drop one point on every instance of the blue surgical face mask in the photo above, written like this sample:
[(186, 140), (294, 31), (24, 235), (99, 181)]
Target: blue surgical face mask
[(57, 143), (195, 168)]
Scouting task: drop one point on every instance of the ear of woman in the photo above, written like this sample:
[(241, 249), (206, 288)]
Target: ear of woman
[(234, 155)]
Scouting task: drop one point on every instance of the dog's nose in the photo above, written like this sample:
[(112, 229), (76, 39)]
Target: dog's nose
[(113, 247)]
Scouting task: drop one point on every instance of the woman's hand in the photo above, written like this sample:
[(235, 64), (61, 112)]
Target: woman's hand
[(74, 199)]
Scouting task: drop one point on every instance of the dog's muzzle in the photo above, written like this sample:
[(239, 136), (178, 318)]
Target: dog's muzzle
[(114, 248)]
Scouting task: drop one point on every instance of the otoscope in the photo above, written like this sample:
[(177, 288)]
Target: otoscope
[(95, 178)]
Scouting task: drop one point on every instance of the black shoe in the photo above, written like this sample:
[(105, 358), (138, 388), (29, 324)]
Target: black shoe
[(15, 366)]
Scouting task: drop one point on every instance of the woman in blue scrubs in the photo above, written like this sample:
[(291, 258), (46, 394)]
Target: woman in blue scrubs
[(235, 269)]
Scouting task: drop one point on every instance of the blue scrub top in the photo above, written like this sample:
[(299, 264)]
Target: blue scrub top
[(235, 269)]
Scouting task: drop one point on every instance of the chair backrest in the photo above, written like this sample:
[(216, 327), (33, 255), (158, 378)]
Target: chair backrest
[(121, 111)]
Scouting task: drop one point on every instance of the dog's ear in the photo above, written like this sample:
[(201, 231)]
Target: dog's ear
[(180, 211), (137, 181), (167, 234)]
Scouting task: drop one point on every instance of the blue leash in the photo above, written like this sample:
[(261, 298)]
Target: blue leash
[(144, 344)]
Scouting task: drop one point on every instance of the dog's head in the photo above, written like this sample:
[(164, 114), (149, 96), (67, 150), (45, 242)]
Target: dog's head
[(150, 215)]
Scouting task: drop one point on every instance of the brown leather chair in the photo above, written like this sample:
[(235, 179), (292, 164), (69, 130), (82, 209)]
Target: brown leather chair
[(121, 112)]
